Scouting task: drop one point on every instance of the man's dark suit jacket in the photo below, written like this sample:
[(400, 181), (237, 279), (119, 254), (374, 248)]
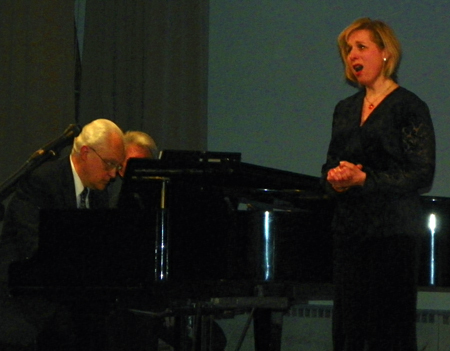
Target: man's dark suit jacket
[(51, 186)]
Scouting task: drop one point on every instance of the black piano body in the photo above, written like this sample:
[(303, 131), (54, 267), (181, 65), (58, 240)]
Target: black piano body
[(190, 226), (87, 255), (224, 220), (210, 218)]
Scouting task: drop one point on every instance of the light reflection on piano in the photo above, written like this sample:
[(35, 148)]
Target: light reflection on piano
[(432, 227), (435, 251), (268, 247)]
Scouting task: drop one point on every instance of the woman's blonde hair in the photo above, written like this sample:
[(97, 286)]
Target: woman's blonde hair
[(382, 35)]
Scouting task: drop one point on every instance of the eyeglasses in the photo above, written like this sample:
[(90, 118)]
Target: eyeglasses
[(108, 164)]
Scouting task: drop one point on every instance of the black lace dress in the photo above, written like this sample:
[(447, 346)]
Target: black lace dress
[(376, 226)]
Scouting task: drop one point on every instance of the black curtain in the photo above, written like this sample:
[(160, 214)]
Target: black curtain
[(144, 66), (37, 70)]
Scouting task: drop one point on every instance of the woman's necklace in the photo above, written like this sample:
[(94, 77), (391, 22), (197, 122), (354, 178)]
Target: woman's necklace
[(372, 104)]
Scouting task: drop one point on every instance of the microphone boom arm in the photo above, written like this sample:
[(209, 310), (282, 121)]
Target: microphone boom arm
[(40, 156)]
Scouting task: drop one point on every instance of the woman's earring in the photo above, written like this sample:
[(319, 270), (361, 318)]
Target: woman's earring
[(384, 59)]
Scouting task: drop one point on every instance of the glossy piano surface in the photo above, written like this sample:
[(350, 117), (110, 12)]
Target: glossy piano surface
[(211, 212), (81, 249), (197, 217)]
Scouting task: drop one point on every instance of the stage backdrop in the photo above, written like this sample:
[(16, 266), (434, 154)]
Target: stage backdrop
[(275, 75)]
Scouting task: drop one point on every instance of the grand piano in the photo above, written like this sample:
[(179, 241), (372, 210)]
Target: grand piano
[(203, 232), (207, 207)]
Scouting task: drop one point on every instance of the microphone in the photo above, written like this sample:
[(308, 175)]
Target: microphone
[(54, 146)]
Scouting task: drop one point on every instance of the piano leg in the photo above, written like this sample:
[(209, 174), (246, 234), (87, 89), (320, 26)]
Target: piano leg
[(268, 326), (207, 334), (180, 336)]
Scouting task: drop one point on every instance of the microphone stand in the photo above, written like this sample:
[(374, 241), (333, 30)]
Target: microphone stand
[(34, 161)]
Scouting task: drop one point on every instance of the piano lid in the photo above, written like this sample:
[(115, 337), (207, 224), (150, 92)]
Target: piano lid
[(217, 169), (199, 156)]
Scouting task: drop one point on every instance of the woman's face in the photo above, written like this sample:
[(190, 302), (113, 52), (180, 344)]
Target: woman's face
[(364, 57)]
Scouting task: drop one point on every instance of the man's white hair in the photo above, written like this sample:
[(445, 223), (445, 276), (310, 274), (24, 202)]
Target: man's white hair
[(141, 139), (95, 133)]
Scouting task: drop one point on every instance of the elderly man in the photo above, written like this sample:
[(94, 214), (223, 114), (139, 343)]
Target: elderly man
[(76, 181)]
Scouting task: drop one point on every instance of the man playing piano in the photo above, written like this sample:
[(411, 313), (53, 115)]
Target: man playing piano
[(30, 323)]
